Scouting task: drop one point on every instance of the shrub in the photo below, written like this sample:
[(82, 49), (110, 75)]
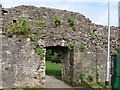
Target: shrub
[(42, 24), (6, 68), (82, 76), (75, 28), (29, 36), (97, 74), (82, 48), (9, 29), (57, 21), (22, 26), (70, 46), (118, 50), (90, 78), (40, 51), (34, 37), (71, 21)]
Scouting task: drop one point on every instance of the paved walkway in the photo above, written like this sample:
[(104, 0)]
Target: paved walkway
[(52, 82)]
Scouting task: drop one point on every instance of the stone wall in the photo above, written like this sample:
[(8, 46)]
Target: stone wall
[(89, 35), (21, 64), (63, 34), (89, 63), (0, 44), (67, 66)]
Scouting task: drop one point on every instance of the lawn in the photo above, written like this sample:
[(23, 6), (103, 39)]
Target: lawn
[(53, 69)]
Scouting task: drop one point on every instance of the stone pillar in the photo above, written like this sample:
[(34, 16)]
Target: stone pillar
[(0, 45), (67, 66)]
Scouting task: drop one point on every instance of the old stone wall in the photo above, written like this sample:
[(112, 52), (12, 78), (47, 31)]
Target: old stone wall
[(21, 65), (19, 56), (89, 64), (52, 35), (0, 44), (67, 66)]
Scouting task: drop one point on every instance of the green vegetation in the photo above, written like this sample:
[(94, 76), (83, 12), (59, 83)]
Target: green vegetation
[(21, 27), (102, 84), (83, 85), (40, 51), (97, 74), (53, 56), (95, 33), (33, 88), (34, 37), (21, 36), (57, 21), (49, 53), (42, 24), (82, 48), (75, 28), (118, 50), (28, 88), (30, 36), (53, 69), (10, 29), (71, 21), (82, 76), (6, 68), (90, 78), (70, 46)]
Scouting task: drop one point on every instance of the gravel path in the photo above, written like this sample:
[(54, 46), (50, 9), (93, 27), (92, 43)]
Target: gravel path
[(52, 82)]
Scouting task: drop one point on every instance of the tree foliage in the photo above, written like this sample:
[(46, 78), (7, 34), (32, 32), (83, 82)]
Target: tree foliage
[(53, 56)]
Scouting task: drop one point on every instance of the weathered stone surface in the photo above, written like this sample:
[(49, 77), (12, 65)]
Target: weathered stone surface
[(20, 64), (26, 68), (0, 45)]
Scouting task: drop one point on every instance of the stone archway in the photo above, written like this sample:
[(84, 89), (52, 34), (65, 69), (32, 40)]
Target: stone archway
[(66, 61)]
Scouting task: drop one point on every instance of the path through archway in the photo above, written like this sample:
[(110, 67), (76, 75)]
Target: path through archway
[(58, 62)]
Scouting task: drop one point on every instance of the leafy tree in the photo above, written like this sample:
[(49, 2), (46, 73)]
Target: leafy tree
[(53, 56)]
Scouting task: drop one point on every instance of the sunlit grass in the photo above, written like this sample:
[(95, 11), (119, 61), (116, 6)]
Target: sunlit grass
[(53, 69)]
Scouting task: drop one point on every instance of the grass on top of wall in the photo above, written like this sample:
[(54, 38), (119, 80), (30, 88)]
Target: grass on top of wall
[(53, 68)]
